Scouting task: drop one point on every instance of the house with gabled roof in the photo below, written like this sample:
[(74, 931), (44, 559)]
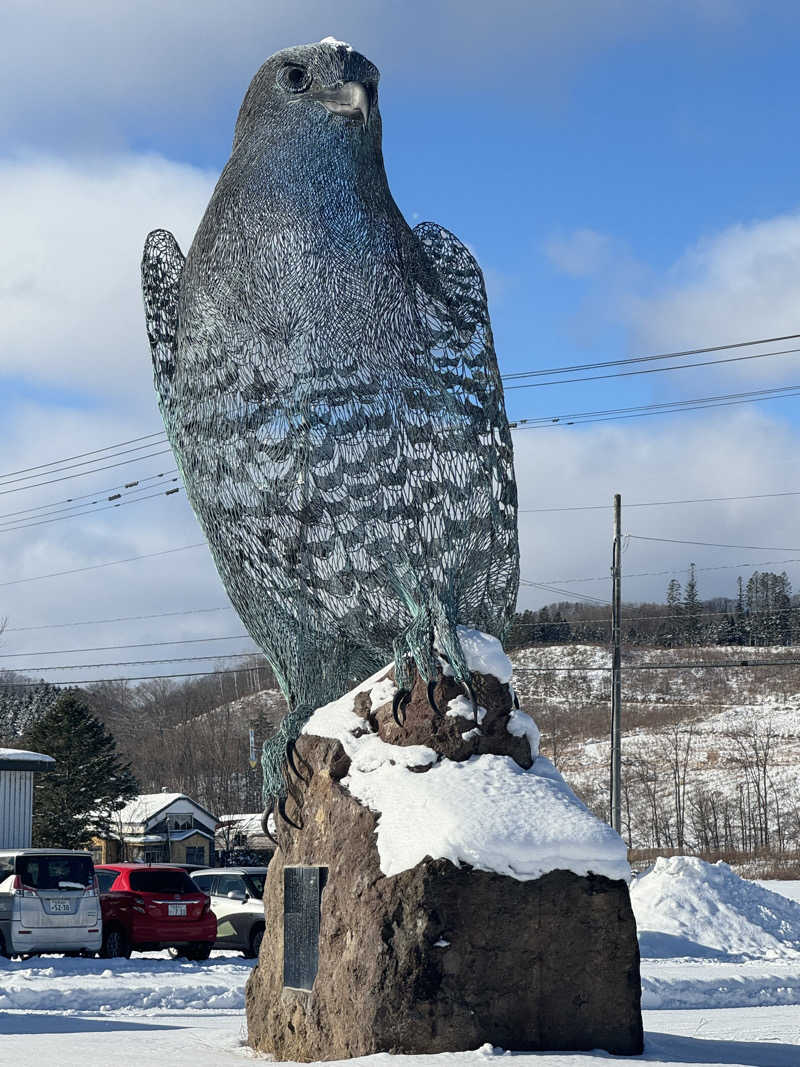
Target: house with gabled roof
[(159, 828)]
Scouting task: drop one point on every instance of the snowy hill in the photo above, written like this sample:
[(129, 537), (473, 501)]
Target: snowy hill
[(711, 754)]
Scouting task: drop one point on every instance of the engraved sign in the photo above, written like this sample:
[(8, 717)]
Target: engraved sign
[(302, 887)]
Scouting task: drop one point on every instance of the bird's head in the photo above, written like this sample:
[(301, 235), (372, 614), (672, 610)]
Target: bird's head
[(323, 91)]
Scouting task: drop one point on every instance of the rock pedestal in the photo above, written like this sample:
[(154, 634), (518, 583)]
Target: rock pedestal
[(439, 956)]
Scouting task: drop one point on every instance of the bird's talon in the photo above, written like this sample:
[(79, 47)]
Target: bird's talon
[(265, 817), (285, 817), (470, 692), (291, 752), (399, 701), (431, 701)]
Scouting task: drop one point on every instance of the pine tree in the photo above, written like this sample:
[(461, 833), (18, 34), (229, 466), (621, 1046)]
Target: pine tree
[(691, 607), (88, 781)]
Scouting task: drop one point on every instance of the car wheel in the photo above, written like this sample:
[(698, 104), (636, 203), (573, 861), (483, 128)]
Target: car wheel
[(115, 944), (201, 950), (4, 953), (256, 937)]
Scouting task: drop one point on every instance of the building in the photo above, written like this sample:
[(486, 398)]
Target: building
[(159, 828), (17, 769), (240, 839)]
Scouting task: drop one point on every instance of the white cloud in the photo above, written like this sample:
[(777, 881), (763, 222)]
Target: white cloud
[(70, 298), (739, 284), (688, 456), (93, 71)]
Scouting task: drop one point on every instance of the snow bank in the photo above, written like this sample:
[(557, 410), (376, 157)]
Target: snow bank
[(485, 811), (711, 984), (58, 983), (686, 907)]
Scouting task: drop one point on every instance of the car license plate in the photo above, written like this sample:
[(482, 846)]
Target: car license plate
[(176, 909), (60, 905)]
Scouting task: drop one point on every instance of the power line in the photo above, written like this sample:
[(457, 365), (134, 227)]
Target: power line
[(80, 455), (661, 503), (142, 662), (90, 511), (648, 359), (75, 500), (137, 678), (640, 410), (673, 570), (653, 370), (120, 618), (99, 566), (82, 463), (564, 592), (116, 648), (709, 544), (665, 666), (82, 474)]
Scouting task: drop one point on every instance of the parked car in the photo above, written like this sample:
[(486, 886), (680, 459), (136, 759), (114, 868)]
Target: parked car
[(48, 902), (146, 908), (236, 897)]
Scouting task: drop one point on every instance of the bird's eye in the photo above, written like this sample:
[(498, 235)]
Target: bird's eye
[(294, 79)]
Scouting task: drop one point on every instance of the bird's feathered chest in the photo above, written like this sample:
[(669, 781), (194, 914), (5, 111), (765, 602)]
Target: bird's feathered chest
[(280, 294)]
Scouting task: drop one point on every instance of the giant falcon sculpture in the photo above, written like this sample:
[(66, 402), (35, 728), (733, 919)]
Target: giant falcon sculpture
[(328, 383)]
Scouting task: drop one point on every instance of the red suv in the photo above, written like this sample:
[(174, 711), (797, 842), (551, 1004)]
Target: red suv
[(147, 908)]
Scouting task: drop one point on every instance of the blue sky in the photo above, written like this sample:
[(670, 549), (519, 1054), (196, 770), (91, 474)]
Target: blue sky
[(628, 176)]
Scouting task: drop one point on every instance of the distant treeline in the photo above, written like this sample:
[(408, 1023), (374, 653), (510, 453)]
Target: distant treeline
[(763, 612)]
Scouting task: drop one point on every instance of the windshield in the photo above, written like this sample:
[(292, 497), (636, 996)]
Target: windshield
[(56, 872), (255, 884), (154, 880)]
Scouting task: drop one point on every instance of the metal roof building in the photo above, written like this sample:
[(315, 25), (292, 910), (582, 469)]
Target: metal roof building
[(17, 769)]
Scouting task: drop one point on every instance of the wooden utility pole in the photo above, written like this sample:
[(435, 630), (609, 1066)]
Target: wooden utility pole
[(616, 671)]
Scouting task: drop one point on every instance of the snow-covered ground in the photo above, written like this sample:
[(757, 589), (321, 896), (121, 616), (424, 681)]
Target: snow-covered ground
[(739, 1007)]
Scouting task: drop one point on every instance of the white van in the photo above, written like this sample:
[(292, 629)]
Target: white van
[(48, 902)]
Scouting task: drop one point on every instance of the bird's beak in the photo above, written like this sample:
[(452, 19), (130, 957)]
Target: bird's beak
[(350, 99)]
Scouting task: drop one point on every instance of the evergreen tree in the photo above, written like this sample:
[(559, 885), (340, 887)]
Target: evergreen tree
[(691, 608), (88, 781)]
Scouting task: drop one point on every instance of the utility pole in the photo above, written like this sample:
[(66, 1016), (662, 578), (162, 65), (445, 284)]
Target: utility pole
[(616, 671)]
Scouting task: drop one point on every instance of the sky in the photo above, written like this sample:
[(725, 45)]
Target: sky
[(627, 175)]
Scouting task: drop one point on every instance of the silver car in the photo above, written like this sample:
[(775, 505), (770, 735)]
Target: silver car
[(48, 902), (236, 900)]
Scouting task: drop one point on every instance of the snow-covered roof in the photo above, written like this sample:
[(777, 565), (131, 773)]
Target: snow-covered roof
[(245, 824), (485, 811), (142, 809), (19, 759), (155, 839)]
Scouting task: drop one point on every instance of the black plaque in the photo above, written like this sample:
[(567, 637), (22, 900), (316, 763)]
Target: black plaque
[(302, 887)]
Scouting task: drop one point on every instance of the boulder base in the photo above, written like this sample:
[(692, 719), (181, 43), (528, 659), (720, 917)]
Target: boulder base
[(438, 958)]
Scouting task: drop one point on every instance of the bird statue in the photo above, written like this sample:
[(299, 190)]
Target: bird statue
[(329, 386)]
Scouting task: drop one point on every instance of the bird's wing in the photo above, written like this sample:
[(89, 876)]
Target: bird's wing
[(162, 264), (472, 454), (458, 317)]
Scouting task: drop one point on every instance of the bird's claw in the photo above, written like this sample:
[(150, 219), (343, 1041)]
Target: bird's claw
[(265, 817), (470, 693), (285, 817), (291, 753), (431, 701), (399, 702)]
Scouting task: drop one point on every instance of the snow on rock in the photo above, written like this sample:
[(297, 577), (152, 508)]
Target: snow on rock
[(686, 907), (484, 654), (486, 811), (521, 724), (461, 708)]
